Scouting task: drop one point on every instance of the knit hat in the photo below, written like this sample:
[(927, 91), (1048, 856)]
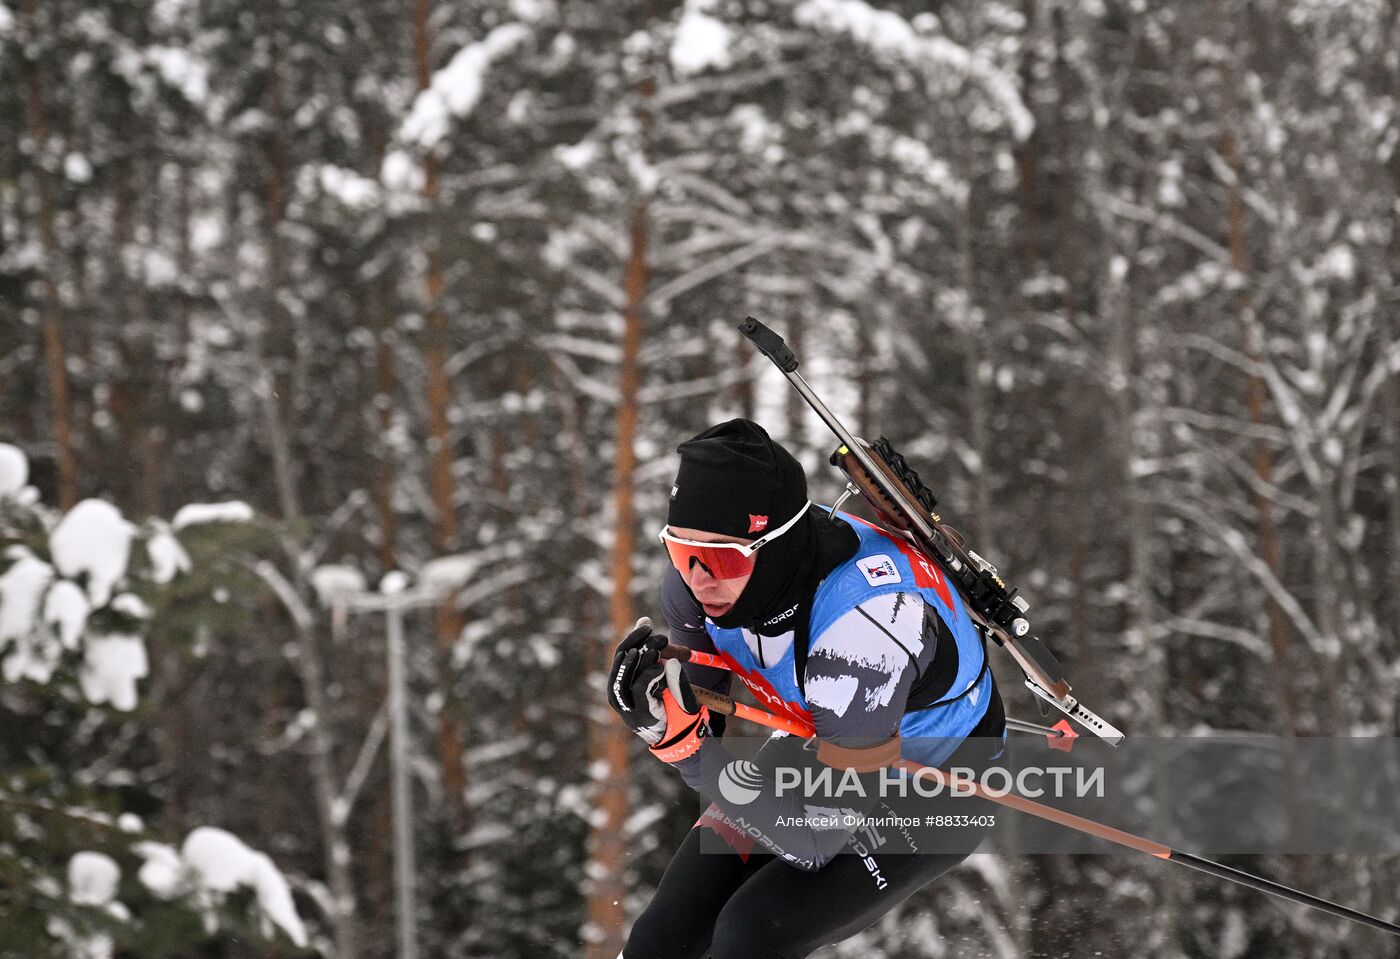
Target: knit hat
[(735, 481)]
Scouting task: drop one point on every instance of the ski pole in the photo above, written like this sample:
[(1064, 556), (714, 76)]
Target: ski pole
[(1021, 726), (723, 704), (719, 703), (1056, 734), (693, 656)]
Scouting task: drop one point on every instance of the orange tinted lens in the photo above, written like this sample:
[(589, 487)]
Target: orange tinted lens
[(722, 563)]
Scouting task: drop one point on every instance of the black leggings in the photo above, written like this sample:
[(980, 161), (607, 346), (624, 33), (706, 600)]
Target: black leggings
[(767, 909)]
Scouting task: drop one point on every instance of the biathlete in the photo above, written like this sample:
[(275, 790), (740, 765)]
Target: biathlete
[(824, 618)]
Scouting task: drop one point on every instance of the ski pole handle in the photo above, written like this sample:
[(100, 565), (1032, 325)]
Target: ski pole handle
[(719, 703), (693, 656), (769, 344), (722, 704)]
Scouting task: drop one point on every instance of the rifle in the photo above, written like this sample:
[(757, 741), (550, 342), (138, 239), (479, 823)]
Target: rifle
[(907, 508)]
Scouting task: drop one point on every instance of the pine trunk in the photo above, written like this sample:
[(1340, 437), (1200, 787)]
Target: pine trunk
[(1027, 153), (1262, 457), (1390, 393), (279, 345), (609, 740), (974, 373), (448, 621), (54, 350), (384, 414), (1261, 461)]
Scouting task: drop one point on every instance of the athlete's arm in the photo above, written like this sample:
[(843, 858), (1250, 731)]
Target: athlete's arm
[(859, 673), (686, 620), (861, 669)]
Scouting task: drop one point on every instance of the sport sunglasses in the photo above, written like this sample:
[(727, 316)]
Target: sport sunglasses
[(721, 560)]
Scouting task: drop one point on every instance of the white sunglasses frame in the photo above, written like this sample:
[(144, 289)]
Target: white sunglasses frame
[(746, 550)]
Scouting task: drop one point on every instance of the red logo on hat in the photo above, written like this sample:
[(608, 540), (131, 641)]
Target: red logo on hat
[(757, 524)]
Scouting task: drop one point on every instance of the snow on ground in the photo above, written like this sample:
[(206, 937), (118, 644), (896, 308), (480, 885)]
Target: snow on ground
[(456, 88), (111, 666), (195, 514), (14, 467), (93, 539), (221, 862), (993, 873)]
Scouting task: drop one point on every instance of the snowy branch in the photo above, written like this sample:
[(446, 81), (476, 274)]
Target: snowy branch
[(661, 297), (706, 386), (364, 761), (1235, 542), (291, 601), (1211, 630), (1165, 223)]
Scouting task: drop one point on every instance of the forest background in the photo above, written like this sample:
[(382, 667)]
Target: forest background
[(437, 287)]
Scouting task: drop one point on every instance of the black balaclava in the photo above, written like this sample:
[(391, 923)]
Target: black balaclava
[(735, 481)]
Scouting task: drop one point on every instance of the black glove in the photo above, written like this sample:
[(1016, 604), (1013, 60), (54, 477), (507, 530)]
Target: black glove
[(653, 697)]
